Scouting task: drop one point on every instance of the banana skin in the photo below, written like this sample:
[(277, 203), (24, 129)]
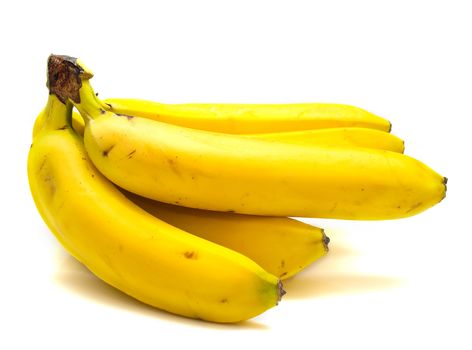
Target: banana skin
[(282, 246), (251, 118), (130, 249), (221, 172)]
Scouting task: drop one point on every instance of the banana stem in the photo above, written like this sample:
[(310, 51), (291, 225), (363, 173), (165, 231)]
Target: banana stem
[(68, 79), (64, 78), (90, 106), (57, 115)]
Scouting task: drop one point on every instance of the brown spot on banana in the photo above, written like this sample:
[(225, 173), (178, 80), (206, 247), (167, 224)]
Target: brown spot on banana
[(45, 174), (107, 151), (173, 166), (129, 117), (414, 206), (191, 255), (130, 154)]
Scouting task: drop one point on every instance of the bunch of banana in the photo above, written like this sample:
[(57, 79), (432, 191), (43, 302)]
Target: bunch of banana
[(185, 207)]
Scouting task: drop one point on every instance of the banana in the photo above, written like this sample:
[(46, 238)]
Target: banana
[(251, 118), (124, 245), (214, 171), (335, 137), (282, 246)]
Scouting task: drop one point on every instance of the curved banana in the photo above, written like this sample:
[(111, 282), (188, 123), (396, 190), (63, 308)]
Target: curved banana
[(221, 172), (125, 246), (282, 246), (250, 118)]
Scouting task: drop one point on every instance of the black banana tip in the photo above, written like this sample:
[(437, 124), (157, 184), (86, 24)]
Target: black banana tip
[(326, 241), (280, 291), (64, 77), (445, 187)]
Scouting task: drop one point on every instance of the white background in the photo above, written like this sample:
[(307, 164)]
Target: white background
[(391, 284)]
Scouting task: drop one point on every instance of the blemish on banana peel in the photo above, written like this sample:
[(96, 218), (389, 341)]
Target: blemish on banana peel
[(173, 166), (102, 111), (107, 151), (282, 263), (280, 291), (130, 154), (51, 184), (42, 165), (224, 301), (47, 177), (414, 206), (129, 117), (191, 255), (333, 208), (62, 127)]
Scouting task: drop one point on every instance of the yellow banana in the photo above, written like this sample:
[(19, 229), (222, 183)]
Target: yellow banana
[(121, 243), (251, 118), (222, 172), (336, 137), (282, 246)]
